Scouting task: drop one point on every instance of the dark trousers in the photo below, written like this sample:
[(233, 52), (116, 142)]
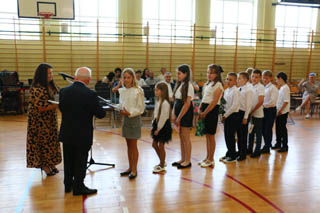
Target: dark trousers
[(268, 121), (75, 164), (231, 124), (281, 130), (257, 131), (242, 133)]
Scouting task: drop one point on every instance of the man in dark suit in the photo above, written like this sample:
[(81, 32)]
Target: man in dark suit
[(78, 105)]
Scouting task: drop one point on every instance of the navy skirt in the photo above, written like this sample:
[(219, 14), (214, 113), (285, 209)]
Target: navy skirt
[(211, 120), (187, 119), (165, 134)]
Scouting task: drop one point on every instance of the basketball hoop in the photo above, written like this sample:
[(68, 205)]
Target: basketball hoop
[(45, 15)]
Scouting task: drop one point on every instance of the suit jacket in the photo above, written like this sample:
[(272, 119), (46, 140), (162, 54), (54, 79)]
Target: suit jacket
[(78, 104)]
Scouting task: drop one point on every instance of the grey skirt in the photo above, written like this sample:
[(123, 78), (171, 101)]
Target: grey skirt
[(131, 127)]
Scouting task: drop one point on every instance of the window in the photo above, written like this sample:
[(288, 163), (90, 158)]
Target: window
[(169, 18), (26, 29), (84, 27), (226, 15), (293, 21)]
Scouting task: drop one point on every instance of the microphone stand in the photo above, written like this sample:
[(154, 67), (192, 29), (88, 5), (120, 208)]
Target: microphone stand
[(91, 161)]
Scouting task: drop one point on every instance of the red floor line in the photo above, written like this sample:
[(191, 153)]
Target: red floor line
[(229, 176), (225, 193), (84, 208), (256, 193)]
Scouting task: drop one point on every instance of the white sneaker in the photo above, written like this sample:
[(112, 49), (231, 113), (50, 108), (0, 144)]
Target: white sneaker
[(159, 169), (298, 108), (207, 164), (307, 116), (200, 162), (222, 158), (165, 165), (229, 160)]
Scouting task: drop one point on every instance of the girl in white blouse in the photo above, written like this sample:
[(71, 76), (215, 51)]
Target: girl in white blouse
[(161, 125), (132, 104), (209, 110), (183, 114)]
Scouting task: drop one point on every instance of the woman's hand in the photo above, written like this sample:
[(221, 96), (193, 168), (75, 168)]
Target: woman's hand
[(125, 112), (156, 132)]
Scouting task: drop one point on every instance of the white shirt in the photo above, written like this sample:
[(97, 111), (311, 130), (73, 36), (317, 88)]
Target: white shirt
[(258, 90), (284, 96), (209, 90), (132, 99), (178, 94), (164, 115), (246, 95), (232, 97), (141, 83), (271, 96), (169, 89)]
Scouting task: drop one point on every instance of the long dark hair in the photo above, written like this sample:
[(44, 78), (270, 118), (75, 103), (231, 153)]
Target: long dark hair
[(184, 68), (217, 69), (41, 77), (163, 87), (144, 74)]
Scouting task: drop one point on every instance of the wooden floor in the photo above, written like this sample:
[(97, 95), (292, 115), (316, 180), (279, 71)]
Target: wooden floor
[(273, 183)]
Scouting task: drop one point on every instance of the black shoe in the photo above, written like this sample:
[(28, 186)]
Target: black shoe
[(84, 191), (184, 167), (55, 170), (241, 158), (51, 173), (175, 164), (125, 173), (67, 189), (276, 146), (255, 154), (265, 151), (131, 176), (283, 149), (237, 154)]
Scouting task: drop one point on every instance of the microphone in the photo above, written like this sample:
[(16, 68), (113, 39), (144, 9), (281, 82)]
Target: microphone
[(65, 76)]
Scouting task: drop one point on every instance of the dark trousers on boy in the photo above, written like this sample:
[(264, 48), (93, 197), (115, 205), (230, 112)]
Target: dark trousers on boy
[(267, 126), (257, 131), (242, 134), (231, 125), (282, 132)]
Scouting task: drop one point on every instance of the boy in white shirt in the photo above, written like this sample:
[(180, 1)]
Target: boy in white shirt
[(231, 117), (283, 108), (269, 110), (256, 114), (246, 94)]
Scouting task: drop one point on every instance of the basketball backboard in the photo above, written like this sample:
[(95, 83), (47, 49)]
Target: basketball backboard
[(61, 9)]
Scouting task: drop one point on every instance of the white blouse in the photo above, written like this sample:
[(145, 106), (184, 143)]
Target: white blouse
[(132, 99), (164, 115), (209, 90), (178, 94)]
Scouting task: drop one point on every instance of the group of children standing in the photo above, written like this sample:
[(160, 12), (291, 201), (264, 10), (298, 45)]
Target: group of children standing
[(250, 103)]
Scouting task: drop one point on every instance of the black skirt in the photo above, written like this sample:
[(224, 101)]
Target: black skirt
[(187, 119), (211, 120), (165, 134)]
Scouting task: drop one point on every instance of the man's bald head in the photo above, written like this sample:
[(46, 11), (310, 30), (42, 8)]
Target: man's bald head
[(83, 74)]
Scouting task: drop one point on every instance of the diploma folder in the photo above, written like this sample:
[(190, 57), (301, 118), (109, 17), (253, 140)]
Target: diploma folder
[(108, 103)]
